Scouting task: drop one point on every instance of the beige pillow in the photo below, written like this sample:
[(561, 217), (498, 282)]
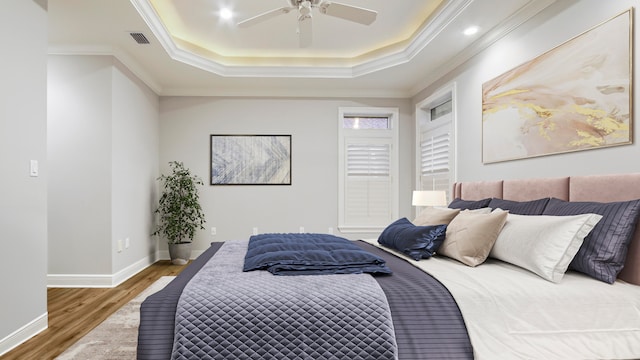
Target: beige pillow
[(481, 210), (435, 216), (470, 236)]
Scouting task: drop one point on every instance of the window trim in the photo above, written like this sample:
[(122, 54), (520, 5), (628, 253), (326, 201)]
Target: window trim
[(423, 116), (343, 134)]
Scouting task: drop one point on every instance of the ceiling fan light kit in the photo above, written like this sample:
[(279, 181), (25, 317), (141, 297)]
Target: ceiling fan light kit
[(343, 11)]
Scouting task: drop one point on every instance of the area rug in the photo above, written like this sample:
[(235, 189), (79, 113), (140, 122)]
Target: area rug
[(116, 338)]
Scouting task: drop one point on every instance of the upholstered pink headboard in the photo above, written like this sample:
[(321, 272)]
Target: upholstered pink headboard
[(601, 188)]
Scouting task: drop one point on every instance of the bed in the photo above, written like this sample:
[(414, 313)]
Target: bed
[(505, 306)]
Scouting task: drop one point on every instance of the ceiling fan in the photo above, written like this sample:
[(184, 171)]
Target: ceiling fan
[(304, 7)]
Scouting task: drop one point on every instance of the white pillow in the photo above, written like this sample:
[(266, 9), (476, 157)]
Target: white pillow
[(543, 244)]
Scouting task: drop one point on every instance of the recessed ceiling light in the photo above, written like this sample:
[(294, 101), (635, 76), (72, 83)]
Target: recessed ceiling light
[(225, 13), (471, 30)]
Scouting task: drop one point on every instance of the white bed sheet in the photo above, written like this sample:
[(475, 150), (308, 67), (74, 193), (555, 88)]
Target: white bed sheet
[(511, 313)]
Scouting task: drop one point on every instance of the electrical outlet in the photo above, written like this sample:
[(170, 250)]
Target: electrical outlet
[(255, 231), (214, 231), (301, 229), (127, 243), (330, 230), (119, 242)]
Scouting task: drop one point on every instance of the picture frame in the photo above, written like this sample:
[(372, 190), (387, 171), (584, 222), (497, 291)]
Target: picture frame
[(250, 159), (577, 96)]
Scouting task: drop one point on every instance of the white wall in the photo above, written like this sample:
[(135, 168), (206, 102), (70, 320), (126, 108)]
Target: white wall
[(135, 151), (103, 151), (23, 204), (311, 201), (555, 25), (79, 151)]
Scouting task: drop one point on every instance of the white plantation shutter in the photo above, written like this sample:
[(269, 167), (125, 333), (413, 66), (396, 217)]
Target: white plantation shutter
[(368, 167), (368, 159), (368, 182), (435, 159)]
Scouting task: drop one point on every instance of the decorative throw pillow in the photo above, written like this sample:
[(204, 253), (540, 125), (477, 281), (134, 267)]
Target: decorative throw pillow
[(604, 250), (418, 242), (543, 244), (471, 235), (458, 203), (533, 207), (435, 216)]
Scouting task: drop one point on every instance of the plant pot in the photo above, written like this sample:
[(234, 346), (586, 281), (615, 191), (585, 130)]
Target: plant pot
[(180, 253)]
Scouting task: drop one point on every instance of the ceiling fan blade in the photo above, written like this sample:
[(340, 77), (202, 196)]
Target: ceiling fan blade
[(264, 17), (305, 31), (348, 12)]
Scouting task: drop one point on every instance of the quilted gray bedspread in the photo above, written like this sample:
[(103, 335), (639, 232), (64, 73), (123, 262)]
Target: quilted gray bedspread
[(225, 313)]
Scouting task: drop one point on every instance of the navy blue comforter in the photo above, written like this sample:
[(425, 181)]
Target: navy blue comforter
[(310, 254)]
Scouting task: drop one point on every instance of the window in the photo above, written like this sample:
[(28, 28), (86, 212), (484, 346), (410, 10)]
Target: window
[(368, 169), (361, 122), (436, 160)]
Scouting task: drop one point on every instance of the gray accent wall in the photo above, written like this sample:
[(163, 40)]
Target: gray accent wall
[(311, 201), (23, 199), (553, 26)]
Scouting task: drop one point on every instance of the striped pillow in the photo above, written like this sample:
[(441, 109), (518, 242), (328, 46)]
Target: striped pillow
[(604, 250), (458, 203), (533, 207)]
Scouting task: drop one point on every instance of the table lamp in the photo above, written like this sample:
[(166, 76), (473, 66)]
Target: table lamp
[(429, 198)]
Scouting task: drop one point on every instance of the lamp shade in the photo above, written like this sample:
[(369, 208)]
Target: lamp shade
[(429, 198)]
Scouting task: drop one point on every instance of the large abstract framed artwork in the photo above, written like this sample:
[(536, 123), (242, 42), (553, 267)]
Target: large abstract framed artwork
[(574, 97), (250, 160)]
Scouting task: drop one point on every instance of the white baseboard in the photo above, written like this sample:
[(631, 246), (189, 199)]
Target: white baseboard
[(124, 274), (109, 280), (98, 280), (23, 334), (79, 280)]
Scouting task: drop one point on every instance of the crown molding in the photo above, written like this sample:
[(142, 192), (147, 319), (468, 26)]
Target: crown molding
[(347, 69), (366, 64), (148, 80), (309, 92)]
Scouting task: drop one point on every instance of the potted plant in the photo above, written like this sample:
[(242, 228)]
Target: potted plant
[(180, 211)]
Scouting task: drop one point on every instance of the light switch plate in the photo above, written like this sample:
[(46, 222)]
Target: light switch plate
[(33, 168)]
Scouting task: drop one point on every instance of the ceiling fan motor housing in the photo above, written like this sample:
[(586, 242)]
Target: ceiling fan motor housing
[(305, 9), (298, 3)]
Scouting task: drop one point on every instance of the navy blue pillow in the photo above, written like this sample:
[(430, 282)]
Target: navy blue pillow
[(418, 242), (604, 250), (533, 207), (458, 203)]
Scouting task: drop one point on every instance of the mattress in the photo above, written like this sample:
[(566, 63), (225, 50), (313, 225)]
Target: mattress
[(512, 313)]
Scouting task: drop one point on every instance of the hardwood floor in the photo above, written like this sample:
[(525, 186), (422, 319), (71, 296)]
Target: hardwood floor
[(73, 312)]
